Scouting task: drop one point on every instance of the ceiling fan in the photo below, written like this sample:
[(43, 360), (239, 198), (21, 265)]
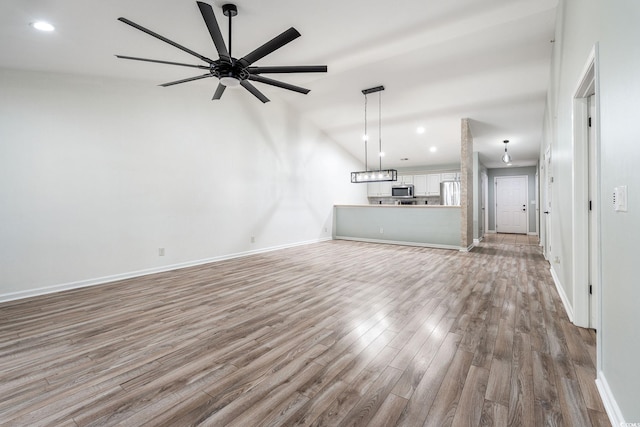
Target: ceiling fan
[(229, 70)]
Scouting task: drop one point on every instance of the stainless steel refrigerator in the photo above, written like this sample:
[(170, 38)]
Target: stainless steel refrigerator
[(450, 193)]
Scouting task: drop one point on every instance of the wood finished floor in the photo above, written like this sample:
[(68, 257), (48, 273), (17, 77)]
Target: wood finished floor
[(335, 333)]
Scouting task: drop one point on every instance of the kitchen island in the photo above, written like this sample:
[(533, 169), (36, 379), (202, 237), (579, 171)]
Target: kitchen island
[(415, 225)]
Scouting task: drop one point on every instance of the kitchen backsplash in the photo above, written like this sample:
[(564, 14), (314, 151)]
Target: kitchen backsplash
[(431, 200)]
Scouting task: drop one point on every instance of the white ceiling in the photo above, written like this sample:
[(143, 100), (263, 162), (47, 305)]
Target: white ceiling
[(440, 61)]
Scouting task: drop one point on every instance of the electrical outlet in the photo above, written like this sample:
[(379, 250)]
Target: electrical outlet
[(160, 251), (325, 229), (253, 239), (381, 230), (557, 260)]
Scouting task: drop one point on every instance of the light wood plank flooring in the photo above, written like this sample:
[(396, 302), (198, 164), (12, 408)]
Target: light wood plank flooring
[(511, 239), (335, 333)]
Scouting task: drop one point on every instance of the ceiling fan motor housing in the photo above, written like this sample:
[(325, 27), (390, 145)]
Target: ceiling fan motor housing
[(224, 69), (229, 9)]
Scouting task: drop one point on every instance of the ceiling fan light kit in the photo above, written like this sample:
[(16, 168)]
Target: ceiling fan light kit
[(232, 72), (379, 175)]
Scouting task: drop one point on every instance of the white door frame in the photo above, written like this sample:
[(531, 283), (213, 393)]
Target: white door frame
[(495, 199), (485, 202), (537, 199), (546, 203), (587, 85)]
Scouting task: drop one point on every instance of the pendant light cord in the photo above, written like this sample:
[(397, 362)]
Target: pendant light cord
[(380, 129), (366, 137)]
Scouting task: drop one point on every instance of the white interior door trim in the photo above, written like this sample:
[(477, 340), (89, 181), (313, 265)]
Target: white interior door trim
[(587, 85), (485, 203)]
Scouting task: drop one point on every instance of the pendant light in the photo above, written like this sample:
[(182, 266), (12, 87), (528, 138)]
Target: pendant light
[(506, 157), (380, 174)]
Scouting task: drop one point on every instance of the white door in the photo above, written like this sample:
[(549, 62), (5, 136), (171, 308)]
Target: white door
[(548, 180), (482, 199), (593, 217), (511, 204), (485, 203)]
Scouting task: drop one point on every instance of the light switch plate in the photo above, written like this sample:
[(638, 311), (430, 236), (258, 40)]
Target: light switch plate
[(620, 198)]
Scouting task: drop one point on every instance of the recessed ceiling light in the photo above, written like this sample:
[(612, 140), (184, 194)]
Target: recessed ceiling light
[(420, 129), (433, 149), (42, 26), (404, 159)]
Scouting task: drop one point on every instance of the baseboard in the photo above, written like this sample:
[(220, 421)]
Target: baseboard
[(491, 232), (609, 402), (532, 233), (477, 241), (129, 275), (563, 296), (395, 242), (468, 249)]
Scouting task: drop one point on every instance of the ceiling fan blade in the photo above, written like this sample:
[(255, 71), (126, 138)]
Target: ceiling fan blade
[(278, 84), (219, 91), (190, 79), (203, 67), (289, 69), (270, 46), (164, 39), (214, 29), (251, 88)]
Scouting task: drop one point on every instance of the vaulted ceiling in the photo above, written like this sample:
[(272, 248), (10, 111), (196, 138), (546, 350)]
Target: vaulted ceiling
[(440, 61)]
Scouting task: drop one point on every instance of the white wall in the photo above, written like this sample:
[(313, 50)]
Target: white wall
[(614, 25), (97, 174), (620, 157)]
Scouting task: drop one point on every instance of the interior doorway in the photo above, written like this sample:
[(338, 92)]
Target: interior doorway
[(512, 215), (586, 235), (484, 203), (594, 241), (548, 180)]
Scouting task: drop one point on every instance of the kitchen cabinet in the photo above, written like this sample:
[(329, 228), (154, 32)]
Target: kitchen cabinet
[(405, 179), (450, 176), (420, 185), (385, 188), (379, 189), (433, 184), (373, 189)]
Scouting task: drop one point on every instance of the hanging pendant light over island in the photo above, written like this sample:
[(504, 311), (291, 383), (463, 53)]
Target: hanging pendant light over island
[(380, 174)]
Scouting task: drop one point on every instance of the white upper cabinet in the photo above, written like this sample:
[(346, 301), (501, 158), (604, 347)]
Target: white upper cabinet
[(433, 184), (379, 189), (420, 185), (385, 188), (405, 179), (373, 189), (450, 176)]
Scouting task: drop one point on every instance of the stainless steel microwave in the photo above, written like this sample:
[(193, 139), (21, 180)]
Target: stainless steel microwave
[(404, 191)]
